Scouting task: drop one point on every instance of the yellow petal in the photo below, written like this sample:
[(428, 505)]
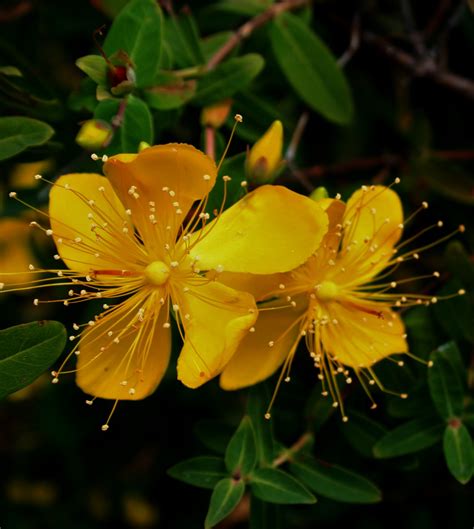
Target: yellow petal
[(255, 359), (260, 286), (270, 230), (218, 318), (76, 205), (365, 333), (132, 368), (157, 178), (265, 156), (376, 218)]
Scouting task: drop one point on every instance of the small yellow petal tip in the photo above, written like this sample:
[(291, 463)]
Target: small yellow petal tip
[(265, 157)]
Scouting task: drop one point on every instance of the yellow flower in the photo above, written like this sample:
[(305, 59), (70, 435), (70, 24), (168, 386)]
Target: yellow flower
[(94, 134), (137, 242), (332, 302), (265, 157)]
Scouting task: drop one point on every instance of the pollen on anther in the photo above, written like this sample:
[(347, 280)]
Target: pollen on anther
[(226, 178), (36, 302), (462, 228), (281, 286), (12, 194), (424, 205), (267, 416), (440, 224), (104, 427), (55, 380), (252, 329), (271, 343), (244, 183), (49, 232), (206, 177), (461, 292), (345, 418), (131, 391), (166, 325), (174, 264), (238, 118)]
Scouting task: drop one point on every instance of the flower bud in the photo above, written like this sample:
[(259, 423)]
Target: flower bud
[(94, 134), (215, 115), (265, 157), (319, 193)]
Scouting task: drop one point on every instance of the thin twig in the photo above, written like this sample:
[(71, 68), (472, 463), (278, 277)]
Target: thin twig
[(287, 455), (250, 26), (425, 67), (354, 43)]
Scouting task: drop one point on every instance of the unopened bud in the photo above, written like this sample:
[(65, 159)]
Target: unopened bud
[(265, 157)]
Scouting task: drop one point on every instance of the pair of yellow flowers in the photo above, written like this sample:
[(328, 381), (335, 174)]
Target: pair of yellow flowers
[(141, 243)]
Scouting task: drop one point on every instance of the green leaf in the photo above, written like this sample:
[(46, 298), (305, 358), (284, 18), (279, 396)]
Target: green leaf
[(228, 78), (455, 315), (137, 30), (225, 498), (213, 435), (410, 437), (26, 351), (205, 471), (459, 452), (137, 125), (460, 265), (241, 453), (256, 408), (445, 384), (95, 67), (19, 133), (211, 44), (311, 68), (422, 334), (182, 37), (173, 94), (335, 482), (362, 433), (275, 486)]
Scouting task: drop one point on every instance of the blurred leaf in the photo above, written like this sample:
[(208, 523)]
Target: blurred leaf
[(241, 453), (137, 30), (410, 437), (421, 331), (318, 409), (172, 94), (335, 482), (182, 37), (205, 471), (445, 384), (460, 265), (447, 179), (213, 435), (26, 351), (362, 433), (212, 43), (258, 113), (258, 399), (228, 78), (18, 133), (311, 68), (459, 452), (264, 515), (455, 315), (225, 498), (95, 67), (247, 8), (275, 486), (419, 403)]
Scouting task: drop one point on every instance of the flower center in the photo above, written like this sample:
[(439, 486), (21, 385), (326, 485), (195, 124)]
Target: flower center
[(157, 273), (327, 291)]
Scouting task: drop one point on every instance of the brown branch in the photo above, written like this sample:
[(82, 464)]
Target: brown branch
[(425, 67), (250, 26), (294, 448), (375, 162)]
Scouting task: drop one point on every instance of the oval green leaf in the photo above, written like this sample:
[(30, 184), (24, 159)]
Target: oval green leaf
[(311, 69), (241, 453), (459, 452), (204, 472), (445, 384), (228, 78), (95, 67), (18, 133), (26, 351), (225, 498), (410, 437), (137, 30), (137, 125), (362, 433), (275, 486), (335, 482)]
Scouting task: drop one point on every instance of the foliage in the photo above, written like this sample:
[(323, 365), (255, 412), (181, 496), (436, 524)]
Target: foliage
[(364, 96)]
